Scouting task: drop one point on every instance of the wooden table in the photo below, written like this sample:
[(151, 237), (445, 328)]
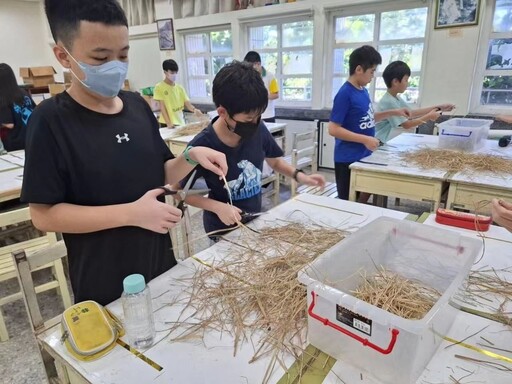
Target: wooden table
[(177, 144), (385, 173), (467, 190), (211, 361), (11, 175)]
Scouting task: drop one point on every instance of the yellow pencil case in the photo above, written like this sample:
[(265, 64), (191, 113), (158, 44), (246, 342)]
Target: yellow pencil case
[(89, 330)]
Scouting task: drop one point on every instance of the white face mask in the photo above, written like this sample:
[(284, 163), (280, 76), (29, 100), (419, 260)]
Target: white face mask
[(171, 76)]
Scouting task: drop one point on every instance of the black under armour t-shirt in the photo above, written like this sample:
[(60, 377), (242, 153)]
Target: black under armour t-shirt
[(78, 156)]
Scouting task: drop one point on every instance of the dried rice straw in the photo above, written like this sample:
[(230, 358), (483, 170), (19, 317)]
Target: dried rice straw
[(456, 161), (253, 293), (192, 128), (406, 298)]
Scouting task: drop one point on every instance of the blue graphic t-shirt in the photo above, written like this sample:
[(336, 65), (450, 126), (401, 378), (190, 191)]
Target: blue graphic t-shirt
[(18, 115), (352, 109), (245, 164)]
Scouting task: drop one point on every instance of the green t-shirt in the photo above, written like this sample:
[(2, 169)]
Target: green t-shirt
[(389, 128), (174, 97)]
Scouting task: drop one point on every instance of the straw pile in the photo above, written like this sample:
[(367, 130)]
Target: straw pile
[(403, 297), (456, 161), (192, 128), (256, 297), (492, 289)]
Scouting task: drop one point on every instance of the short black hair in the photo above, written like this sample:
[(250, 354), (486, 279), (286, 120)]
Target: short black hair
[(64, 17), (239, 88), (395, 70), (252, 57), (365, 56), (170, 65)]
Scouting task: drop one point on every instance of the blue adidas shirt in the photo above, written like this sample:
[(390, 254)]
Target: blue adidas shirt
[(245, 164), (352, 109)]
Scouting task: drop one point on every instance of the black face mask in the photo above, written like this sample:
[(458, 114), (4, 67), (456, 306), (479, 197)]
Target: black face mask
[(245, 129)]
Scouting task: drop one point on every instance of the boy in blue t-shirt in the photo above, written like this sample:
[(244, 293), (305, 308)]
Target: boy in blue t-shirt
[(396, 76), (240, 97), (352, 121)]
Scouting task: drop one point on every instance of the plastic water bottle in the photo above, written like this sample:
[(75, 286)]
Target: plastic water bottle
[(138, 312)]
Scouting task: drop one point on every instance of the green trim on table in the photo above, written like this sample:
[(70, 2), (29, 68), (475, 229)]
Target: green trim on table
[(423, 217), (411, 217), (312, 367)]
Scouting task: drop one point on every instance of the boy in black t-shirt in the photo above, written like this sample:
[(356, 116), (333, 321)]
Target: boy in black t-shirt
[(240, 97), (95, 159)]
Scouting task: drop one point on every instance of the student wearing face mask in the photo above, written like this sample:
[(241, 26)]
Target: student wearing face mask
[(240, 97), (172, 97), (95, 159)]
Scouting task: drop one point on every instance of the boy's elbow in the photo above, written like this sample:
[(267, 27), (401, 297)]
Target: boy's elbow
[(40, 219), (332, 128)]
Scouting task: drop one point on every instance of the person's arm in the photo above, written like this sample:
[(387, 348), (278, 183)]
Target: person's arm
[(502, 213), (163, 111), (227, 213), (279, 165), (404, 112), (432, 115), (344, 134), (505, 118), (192, 109), (146, 212), (8, 126), (273, 96), (176, 169)]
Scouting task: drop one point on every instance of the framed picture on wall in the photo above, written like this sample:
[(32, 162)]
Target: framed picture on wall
[(456, 13), (165, 34)]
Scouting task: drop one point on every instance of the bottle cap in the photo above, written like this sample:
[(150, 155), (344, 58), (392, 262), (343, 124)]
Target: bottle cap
[(134, 283)]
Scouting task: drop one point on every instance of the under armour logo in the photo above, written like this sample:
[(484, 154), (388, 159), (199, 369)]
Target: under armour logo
[(121, 138)]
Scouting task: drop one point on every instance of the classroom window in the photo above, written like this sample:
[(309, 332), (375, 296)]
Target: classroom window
[(497, 74), (398, 34), (205, 54), (286, 50)]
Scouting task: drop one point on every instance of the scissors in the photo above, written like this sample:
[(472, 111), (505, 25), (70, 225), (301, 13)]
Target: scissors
[(250, 215), (183, 193)]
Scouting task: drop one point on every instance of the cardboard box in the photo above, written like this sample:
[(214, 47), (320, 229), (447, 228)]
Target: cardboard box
[(67, 77), (38, 76), (57, 88)]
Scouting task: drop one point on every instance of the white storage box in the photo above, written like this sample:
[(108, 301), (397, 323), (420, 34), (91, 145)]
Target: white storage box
[(463, 134), (396, 350)]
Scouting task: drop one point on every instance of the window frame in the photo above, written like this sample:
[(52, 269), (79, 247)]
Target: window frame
[(375, 9), (279, 21), (486, 34), (210, 76)]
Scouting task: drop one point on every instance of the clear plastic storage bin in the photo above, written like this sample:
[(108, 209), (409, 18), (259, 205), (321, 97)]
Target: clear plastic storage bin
[(463, 134), (388, 347)]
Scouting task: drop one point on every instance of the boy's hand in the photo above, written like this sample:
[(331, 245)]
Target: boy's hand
[(198, 112), (228, 214), (446, 107), (434, 114), (149, 213), (371, 143), (313, 180), (210, 159), (404, 112), (502, 213)]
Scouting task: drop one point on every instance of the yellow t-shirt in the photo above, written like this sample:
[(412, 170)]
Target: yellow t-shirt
[(174, 97)]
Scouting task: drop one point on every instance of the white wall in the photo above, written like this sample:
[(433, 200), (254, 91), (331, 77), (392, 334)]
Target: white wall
[(22, 35), (449, 68)]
